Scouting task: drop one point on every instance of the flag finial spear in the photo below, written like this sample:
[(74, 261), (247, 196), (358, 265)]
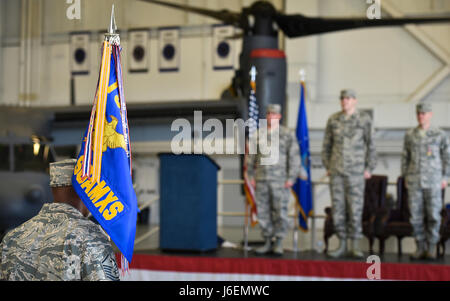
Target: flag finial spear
[(253, 73), (302, 74), (112, 24), (112, 36)]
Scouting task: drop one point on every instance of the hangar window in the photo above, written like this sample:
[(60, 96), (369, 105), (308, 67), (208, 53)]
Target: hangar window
[(28, 157), (4, 157)]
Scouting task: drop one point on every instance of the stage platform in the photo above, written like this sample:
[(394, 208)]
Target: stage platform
[(227, 264)]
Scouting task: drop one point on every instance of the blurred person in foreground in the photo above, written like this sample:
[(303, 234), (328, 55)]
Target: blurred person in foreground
[(60, 243)]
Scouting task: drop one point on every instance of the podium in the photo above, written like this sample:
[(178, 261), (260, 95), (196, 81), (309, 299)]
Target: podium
[(188, 202)]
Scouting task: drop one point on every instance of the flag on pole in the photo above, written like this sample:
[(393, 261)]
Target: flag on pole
[(302, 189), (102, 176), (253, 128)]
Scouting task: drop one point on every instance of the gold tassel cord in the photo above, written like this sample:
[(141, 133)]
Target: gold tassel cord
[(100, 111)]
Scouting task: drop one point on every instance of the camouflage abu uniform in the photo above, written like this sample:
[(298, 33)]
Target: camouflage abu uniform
[(425, 163), (348, 150), (59, 243), (272, 197)]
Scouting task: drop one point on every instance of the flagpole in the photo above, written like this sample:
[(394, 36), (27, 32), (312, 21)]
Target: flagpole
[(247, 208), (296, 226), (246, 230)]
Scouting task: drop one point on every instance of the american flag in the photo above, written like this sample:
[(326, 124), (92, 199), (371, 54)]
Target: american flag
[(253, 128)]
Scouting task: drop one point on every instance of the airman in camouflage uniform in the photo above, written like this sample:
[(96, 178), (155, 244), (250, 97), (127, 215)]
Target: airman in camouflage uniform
[(273, 182), (60, 243), (349, 157), (426, 168)]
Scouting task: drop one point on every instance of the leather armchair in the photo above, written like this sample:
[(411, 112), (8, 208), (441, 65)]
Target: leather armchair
[(374, 199), (395, 222)]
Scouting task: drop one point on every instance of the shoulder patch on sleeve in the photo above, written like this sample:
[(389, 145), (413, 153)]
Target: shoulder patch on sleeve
[(110, 268)]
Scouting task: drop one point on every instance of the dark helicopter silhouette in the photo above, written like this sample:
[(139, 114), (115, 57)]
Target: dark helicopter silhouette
[(261, 24)]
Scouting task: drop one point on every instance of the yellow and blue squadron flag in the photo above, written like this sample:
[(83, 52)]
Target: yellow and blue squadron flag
[(102, 176)]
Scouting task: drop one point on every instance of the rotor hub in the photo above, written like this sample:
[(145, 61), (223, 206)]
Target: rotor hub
[(263, 9)]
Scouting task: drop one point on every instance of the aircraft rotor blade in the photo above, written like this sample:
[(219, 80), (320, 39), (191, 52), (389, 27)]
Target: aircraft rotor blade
[(299, 26), (226, 16)]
